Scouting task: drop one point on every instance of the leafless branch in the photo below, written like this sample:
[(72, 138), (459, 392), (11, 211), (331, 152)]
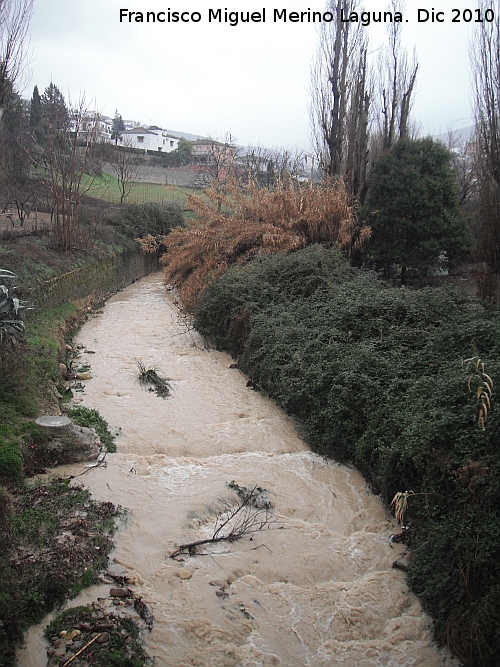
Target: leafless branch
[(15, 16), (233, 522), (485, 150)]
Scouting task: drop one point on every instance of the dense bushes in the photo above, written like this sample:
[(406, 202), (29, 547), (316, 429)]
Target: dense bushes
[(136, 220), (377, 377)]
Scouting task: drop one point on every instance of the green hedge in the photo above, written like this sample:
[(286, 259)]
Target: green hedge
[(137, 220), (376, 376)]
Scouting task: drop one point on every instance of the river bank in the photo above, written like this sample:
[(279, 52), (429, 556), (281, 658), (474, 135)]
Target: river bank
[(32, 384), (317, 589)]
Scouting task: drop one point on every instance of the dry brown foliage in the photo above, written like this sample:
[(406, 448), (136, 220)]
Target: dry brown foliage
[(238, 224)]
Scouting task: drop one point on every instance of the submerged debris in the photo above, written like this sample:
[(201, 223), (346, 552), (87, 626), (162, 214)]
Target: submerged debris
[(256, 497), (151, 376)]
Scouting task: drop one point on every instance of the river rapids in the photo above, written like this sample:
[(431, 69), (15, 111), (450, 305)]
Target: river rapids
[(314, 587)]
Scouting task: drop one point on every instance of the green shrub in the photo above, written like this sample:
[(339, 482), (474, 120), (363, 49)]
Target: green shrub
[(91, 418), (138, 220), (267, 280)]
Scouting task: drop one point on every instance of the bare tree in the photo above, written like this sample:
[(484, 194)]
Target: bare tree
[(394, 87), (69, 170), (485, 62), (15, 16), (216, 164), (349, 104), (220, 159), (266, 166), (286, 164), (254, 163), (357, 150), (464, 166), (396, 84), (125, 164), (340, 97)]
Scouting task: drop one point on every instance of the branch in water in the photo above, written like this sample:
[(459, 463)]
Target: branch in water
[(239, 520)]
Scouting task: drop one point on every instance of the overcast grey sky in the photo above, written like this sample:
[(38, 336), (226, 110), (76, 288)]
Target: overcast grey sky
[(251, 80)]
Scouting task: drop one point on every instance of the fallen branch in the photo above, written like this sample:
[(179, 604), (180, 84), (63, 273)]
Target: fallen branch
[(239, 520), (100, 463), (82, 649)]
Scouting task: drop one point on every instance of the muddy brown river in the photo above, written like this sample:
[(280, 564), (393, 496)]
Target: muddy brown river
[(315, 587)]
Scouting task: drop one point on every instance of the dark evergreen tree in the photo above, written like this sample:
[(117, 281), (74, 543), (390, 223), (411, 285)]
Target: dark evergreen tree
[(118, 127), (412, 209), (14, 140), (54, 110), (35, 109)]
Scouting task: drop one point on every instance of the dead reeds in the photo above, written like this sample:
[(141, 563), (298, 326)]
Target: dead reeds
[(251, 221)]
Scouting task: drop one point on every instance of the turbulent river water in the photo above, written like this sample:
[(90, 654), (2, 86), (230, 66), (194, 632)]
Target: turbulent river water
[(314, 588)]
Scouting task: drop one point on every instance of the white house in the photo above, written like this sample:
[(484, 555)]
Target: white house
[(91, 125), (152, 138)]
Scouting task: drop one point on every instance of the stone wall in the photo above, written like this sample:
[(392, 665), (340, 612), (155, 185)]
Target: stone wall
[(98, 279)]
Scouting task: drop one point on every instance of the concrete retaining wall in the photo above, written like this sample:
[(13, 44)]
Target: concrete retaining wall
[(99, 280)]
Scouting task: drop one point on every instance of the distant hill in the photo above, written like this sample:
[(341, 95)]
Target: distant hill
[(459, 137), (186, 135)]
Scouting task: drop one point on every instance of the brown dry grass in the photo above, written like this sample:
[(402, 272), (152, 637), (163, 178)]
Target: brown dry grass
[(257, 221)]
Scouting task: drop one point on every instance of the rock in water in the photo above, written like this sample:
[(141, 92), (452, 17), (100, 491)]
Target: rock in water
[(184, 574), (119, 592)]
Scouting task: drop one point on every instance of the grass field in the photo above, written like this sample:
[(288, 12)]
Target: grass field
[(105, 187)]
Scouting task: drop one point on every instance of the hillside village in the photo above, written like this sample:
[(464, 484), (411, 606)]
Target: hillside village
[(207, 155), (135, 134)]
